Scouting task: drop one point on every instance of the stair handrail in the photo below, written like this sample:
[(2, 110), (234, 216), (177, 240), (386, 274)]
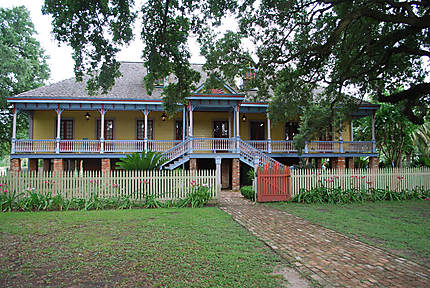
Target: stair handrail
[(177, 150), (250, 153)]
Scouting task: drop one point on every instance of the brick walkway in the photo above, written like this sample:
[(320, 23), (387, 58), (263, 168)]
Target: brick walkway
[(326, 256)]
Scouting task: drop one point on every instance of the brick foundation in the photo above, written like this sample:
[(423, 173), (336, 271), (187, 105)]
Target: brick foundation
[(339, 163), (235, 183), (33, 164), (319, 163), (46, 164), (58, 165), (105, 163), (374, 162), (351, 163), (193, 164), (15, 165)]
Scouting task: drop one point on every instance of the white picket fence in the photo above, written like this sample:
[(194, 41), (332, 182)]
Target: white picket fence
[(391, 178), (164, 184)]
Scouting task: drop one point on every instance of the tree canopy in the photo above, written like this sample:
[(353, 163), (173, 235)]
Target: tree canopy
[(337, 47), (22, 65)]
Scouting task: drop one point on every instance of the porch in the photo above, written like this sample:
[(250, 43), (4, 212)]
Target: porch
[(197, 145)]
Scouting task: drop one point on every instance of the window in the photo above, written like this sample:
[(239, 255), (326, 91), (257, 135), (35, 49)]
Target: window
[(291, 130), (140, 129), (66, 129), (179, 129), (108, 129), (257, 130), (220, 129)]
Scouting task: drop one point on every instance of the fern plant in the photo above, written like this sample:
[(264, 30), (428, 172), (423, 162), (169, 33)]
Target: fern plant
[(139, 161)]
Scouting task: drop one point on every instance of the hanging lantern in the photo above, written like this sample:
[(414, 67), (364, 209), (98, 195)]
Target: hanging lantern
[(87, 116), (243, 117), (163, 116)]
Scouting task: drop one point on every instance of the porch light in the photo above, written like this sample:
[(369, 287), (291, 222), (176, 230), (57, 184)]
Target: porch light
[(163, 116), (87, 116), (243, 117)]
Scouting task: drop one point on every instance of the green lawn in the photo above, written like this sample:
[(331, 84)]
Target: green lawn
[(147, 247), (401, 226)]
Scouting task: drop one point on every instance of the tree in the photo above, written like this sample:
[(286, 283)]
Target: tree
[(97, 29), (393, 133), (347, 47), (22, 66)]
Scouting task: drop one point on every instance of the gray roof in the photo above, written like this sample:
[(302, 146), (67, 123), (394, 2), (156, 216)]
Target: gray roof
[(129, 86)]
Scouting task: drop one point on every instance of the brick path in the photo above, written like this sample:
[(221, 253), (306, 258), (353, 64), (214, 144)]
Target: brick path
[(326, 256)]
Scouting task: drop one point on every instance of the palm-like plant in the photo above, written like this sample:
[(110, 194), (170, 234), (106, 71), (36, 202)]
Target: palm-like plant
[(140, 161), (421, 139)]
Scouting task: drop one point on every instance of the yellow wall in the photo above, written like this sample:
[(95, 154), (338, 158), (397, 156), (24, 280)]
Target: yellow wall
[(125, 124), (44, 123), (203, 123)]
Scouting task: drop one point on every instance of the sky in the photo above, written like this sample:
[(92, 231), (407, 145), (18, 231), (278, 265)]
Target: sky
[(60, 57)]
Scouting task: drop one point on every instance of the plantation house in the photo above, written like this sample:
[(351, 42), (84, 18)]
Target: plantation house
[(217, 128)]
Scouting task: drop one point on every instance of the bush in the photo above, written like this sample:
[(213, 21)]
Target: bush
[(338, 196), (31, 200), (141, 161), (248, 192)]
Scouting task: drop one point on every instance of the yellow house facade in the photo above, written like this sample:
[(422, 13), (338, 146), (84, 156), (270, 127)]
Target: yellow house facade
[(70, 129)]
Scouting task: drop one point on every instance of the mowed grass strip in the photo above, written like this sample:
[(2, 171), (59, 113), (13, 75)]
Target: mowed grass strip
[(400, 226), (147, 247)]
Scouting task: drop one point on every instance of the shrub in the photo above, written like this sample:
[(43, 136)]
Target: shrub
[(198, 197), (248, 192), (323, 194), (141, 161)]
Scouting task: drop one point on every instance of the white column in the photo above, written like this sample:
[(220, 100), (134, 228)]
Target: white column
[(184, 123), (236, 115), (269, 139), (229, 124), (218, 175), (13, 129), (256, 165), (352, 131), (373, 133), (59, 111), (190, 131), (145, 130), (190, 109), (102, 130), (237, 121)]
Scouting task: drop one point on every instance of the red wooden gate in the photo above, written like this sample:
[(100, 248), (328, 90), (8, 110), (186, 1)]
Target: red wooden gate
[(273, 183)]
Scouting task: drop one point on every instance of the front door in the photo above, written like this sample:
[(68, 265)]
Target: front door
[(258, 131), (220, 130)]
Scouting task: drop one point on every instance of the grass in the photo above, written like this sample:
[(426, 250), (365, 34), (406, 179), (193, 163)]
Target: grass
[(400, 226), (143, 247)]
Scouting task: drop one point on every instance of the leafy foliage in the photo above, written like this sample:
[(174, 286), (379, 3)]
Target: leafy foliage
[(141, 161), (248, 192), (22, 67), (315, 55), (393, 133), (322, 194), (95, 30), (421, 142), (32, 200)]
